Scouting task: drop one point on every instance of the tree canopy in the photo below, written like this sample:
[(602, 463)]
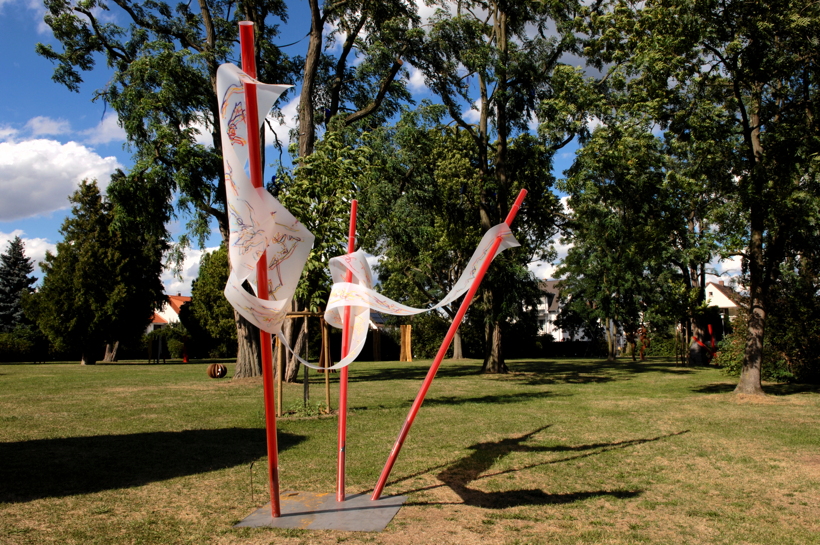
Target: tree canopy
[(15, 269), (102, 285)]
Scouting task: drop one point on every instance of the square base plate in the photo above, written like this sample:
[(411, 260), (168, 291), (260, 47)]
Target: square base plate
[(316, 511)]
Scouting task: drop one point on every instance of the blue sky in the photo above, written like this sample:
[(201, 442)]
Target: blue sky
[(51, 138)]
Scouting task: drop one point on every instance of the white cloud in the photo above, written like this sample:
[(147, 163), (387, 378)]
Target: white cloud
[(593, 122), (107, 131), (425, 12), (205, 137), (189, 272), (37, 176), (34, 248), (416, 80), (7, 133), (473, 115), (42, 126), (282, 129), (732, 266)]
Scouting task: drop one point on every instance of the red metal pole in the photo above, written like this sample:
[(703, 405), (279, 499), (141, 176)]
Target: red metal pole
[(442, 351), (246, 38), (340, 467)]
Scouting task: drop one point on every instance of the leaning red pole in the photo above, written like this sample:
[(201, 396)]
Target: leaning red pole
[(246, 37), (340, 467), (442, 351)]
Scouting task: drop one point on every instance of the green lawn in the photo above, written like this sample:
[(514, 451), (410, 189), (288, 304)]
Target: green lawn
[(568, 451)]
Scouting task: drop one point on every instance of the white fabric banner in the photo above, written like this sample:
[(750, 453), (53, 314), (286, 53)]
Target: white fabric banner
[(360, 296), (258, 222)]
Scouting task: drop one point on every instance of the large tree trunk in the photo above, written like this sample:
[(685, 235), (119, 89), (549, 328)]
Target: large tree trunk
[(494, 360), (610, 340), (111, 352), (88, 357), (753, 359), (248, 355), (307, 130), (292, 370), (457, 352)]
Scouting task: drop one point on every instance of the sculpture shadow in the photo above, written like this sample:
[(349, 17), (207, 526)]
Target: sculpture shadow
[(459, 475), (68, 466)]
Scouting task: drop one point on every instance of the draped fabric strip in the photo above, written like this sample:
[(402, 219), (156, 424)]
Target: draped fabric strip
[(258, 222), (360, 296)]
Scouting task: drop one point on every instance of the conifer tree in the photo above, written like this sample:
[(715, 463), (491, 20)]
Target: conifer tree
[(15, 269)]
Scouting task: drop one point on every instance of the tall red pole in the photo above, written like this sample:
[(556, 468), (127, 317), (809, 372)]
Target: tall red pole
[(340, 467), (442, 351), (246, 37)]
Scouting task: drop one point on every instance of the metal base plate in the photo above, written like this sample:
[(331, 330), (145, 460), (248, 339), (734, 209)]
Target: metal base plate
[(314, 511)]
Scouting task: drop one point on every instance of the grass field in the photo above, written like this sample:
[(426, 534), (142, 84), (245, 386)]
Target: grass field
[(568, 451)]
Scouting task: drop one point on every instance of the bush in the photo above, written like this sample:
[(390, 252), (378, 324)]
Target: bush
[(732, 348), (23, 344), (173, 340)]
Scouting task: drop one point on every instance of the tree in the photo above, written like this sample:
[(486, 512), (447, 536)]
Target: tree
[(639, 226), (501, 58), (748, 70), (15, 269), (163, 89), (320, 191), (375, 34), (102, 285), (209, 308)]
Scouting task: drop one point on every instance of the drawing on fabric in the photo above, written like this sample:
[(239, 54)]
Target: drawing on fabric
[(235, 89), (245, 235), (253, 212), (237, 119), (281, 248), (229, 179)]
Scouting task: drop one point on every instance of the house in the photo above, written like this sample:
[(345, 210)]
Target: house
[(169, 312), (548, 309), (725, 298)]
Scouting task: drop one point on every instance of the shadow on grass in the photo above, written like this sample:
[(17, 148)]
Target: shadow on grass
[(459, 475), (714, 388), (779, 389), (600, 368), (413, 371), (532, 372), (501, 398), (785, 389), (81, 465)]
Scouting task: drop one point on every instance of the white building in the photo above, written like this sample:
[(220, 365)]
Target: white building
[(722, 296), (548, 309), (169, 312)]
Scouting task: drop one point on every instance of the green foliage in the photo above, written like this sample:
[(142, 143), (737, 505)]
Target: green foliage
[(319, 194), (731, 84), (15, 269), (732, 351), (421, 214), (793, 324), (209, 316), (102, 285), (174, 337), (164, 61)]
